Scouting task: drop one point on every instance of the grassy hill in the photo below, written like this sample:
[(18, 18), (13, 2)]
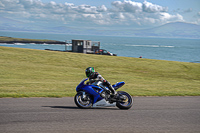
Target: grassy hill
[(38, 73)]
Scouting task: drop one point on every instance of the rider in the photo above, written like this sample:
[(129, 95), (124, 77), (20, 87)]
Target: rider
[(95, 76)]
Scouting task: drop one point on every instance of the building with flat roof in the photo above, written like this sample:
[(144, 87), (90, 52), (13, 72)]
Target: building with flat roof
[(85, 46)]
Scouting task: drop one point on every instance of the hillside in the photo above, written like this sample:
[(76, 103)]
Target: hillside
[(172, 30), (38, 73), (169, 30)]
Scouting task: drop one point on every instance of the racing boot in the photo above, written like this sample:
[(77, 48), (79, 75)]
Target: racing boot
[(114, 93)]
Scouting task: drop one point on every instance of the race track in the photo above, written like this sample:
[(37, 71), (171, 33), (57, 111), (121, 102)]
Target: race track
[(60, 115)]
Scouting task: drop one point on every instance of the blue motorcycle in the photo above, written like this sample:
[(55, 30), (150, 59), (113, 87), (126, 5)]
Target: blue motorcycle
[(97, 95)]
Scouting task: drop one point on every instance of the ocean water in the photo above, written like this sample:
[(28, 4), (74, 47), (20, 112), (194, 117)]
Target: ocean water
[(183, 50)]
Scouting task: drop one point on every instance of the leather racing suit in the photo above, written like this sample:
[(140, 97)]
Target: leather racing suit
[(95, 76)]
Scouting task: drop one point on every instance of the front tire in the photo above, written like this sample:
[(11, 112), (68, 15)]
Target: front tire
[(127, 103), (84, 103)]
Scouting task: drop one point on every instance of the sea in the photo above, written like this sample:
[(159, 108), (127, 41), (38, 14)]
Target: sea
[(171, 49)]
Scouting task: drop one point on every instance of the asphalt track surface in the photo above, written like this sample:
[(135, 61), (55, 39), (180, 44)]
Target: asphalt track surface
[(60, 115)]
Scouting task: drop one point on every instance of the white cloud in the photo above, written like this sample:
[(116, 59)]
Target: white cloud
[(127, 6), (143, 14), (166, 17), (125, 12), (152, 8), (53, 3), (102, 8)]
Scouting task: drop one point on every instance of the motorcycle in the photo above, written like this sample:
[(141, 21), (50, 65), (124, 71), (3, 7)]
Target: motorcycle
[(97, 95)]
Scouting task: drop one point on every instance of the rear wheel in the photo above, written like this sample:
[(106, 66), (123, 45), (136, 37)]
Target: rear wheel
[(83, 100), (127, 101)]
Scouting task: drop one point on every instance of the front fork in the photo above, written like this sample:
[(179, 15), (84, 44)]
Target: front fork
[(83, 96)]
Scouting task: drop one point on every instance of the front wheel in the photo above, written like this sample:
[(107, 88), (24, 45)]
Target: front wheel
[(127, 101), (83, 100)]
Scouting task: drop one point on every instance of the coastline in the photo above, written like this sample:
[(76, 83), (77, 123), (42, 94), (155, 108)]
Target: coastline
[(183, 50), (11, 40)]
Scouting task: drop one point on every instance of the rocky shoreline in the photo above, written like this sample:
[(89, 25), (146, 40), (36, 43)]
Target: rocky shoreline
[(11, 40)]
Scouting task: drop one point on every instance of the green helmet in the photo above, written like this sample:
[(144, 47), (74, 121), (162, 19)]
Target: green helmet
[(89, 71)]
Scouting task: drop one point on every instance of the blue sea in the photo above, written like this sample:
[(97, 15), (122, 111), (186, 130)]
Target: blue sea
[(183, 50)]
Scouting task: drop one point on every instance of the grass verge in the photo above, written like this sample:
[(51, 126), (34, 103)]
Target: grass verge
[(38, 73)]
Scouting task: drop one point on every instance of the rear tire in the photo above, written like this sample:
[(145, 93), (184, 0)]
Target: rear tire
[(84, 103), (126, 104)]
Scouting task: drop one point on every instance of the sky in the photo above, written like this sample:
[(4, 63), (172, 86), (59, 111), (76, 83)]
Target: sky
[(103, 14)]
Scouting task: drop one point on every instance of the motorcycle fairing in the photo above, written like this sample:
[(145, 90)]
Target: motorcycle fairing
[(81, 84), (96, 95), (89, 89), (104, 103), (95, 91), (118, 85), (93, 96)]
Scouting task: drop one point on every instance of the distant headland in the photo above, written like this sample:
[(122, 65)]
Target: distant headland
[(11, 40)]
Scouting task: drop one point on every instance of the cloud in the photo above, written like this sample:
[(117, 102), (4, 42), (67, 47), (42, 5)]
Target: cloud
[(183, 11), (127, 6), (102, 8), (143, 14), (188, 10), (152, 8), (122, 13)]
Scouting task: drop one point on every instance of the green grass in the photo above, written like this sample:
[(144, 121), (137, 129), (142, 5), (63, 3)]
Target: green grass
[(38, 73)]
